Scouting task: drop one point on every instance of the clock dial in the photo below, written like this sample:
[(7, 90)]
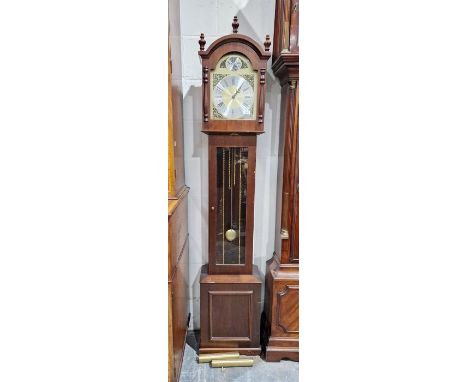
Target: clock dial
[(233, 89), (233, 97)]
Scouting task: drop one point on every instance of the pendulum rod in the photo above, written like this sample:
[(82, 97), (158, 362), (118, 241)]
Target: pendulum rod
[(234, 169), (224, 172), (240, 200), (231, 234), (229, 169), (231, 153)]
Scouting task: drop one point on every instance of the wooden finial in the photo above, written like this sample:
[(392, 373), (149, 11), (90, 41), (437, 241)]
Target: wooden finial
[(267, 43), (235, 25), (202, 41)]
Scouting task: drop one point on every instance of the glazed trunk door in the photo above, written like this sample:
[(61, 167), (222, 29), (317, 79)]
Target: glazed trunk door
[(232, 184)]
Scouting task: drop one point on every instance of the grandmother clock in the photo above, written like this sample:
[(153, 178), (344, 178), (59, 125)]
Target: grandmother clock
[(234, 69)]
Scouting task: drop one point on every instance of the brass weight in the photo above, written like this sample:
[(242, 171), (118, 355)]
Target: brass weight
[(204, 358), (232, 362)]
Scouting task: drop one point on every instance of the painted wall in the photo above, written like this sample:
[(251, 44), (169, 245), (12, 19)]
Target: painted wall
[(214, 18)]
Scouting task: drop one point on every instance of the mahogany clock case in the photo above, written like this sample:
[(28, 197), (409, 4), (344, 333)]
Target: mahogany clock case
[(230, 287), (280, 321)]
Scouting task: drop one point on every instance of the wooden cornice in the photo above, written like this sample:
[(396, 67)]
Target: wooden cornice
[(286, 67), (233, 38)]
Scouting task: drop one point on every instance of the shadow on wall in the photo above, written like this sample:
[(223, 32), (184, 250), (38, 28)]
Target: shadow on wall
[(196, 301), (200, 151)]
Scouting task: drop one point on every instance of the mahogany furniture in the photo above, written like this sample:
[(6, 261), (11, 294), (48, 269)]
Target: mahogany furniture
[(233, 69), (280, 321), (178, 318), (230, 312)]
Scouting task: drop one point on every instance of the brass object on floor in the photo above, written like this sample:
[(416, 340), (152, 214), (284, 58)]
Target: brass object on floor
[(204, 358), (232, 362)]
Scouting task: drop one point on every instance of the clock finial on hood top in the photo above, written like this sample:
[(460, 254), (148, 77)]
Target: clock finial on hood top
[(267, 43), (235, 24), (202, 41)]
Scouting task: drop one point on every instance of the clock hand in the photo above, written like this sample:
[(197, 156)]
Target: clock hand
[(236, 93), (238, 90), (228, 109)]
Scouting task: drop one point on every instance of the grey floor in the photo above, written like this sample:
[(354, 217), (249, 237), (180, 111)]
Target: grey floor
[(261, 371)]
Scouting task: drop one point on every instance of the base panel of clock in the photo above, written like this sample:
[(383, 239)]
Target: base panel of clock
[(276, 354), (230, 312), (242, 351), (280, 321)]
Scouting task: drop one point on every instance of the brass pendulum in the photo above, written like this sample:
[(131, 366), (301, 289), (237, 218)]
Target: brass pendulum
[(230, 234)]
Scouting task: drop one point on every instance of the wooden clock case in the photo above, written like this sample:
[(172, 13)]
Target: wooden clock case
[(230, 300), (280, 321)]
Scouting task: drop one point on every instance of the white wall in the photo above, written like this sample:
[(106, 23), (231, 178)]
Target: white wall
[(214, 18)]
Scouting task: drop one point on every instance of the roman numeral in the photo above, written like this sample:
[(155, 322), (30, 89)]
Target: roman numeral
[(245, 108)]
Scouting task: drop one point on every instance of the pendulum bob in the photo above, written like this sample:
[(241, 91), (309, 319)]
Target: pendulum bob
[(231, 234)]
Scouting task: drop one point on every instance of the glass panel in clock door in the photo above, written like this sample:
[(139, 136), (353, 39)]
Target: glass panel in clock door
[(232, 169)]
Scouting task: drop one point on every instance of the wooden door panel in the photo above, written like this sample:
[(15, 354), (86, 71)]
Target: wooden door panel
[(288, 309), (230, 315)]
